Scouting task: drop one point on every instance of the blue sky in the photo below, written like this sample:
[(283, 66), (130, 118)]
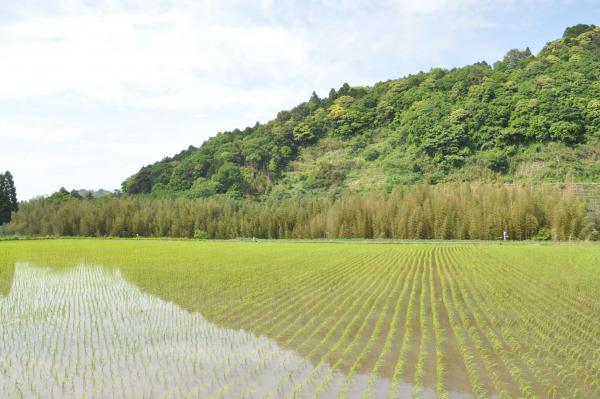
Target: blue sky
[(92, 90)]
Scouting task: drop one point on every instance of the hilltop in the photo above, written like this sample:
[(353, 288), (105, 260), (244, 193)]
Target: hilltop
[(525, 118)]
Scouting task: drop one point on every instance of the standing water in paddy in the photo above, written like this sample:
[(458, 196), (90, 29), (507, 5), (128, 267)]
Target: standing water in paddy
[(88, 332)]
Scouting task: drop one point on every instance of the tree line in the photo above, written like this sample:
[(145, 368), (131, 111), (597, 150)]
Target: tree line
[(8, 197), (457, 211)]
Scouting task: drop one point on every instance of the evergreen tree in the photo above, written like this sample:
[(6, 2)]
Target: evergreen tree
[(8, 197), (4, 201), (11, 191)]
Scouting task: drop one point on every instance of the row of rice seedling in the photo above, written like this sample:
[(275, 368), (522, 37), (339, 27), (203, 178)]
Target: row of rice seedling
[(366, 330), (377, 333), (481, 337), (462, 338), (535, 337), (576, 312), (285, 324), (400, 366), (424, 338), (392, 334), (300, 304), (518, 346), (297, 284), (439, 332), (346, 321), (562, 326), (223, 392), (561, 339), (266, 322), (312, 292)]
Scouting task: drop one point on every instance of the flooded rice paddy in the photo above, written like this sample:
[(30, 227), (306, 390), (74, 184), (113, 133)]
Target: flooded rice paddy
[(88, 332), (165, 319)]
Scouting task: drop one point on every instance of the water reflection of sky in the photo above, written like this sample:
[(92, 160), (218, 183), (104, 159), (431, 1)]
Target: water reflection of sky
[(87, 332)]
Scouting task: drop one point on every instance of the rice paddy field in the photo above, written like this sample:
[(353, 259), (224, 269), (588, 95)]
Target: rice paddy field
[(229, 319)]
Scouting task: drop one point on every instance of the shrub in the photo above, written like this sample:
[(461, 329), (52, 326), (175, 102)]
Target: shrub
[(371, 154), (542, 235), (200, 234)]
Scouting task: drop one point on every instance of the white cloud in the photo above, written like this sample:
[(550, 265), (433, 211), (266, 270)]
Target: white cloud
[(142, 59)]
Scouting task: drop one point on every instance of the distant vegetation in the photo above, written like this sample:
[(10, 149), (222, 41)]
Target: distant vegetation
[(467, 211), (63, 195), (527, 117)]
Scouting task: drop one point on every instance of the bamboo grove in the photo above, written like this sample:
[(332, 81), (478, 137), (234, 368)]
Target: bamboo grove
[(467, 211)]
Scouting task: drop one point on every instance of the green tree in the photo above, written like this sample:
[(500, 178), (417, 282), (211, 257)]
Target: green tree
[(229, 178), (4, 201), (576, 30), (8, 197)]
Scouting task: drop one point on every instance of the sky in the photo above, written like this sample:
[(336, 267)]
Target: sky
[(92, 90)]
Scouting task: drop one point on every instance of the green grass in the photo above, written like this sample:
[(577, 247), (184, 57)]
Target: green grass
[(484, 318)]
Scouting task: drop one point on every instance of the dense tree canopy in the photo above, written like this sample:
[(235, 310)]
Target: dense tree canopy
[(527, 117)]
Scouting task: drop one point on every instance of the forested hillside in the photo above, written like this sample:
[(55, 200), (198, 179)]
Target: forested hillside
[(526, 118)]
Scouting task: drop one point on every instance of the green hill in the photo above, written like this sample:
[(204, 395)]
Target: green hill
[(525, 118)]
